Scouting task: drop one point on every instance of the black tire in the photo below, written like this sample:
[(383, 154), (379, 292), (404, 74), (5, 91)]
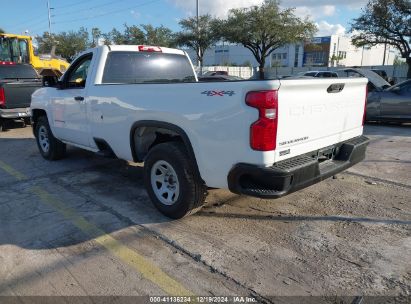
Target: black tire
[(27, 121), (192, 191), (56, 149), (2, 125)]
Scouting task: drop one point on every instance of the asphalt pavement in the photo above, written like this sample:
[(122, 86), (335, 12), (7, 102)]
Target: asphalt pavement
[(84, 226)]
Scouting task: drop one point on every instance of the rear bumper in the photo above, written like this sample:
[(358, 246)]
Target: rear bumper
[(15, 113), (296, 173)]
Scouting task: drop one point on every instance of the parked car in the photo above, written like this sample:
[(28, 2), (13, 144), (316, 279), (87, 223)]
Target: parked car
[(390, 105), (219, 78), (320, 74), (17, 83), (375, 81), (264, 138)]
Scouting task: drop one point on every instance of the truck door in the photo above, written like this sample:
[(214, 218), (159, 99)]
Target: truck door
[(70, 106)]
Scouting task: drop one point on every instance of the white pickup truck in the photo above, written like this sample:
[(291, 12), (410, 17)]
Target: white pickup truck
[(262, 138)]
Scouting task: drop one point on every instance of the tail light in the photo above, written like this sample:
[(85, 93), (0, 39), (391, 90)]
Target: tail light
[(2, 98), (7, 63), (365, 105), (145, 48), (263, 132)]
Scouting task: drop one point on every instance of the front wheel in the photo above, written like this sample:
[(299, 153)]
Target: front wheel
[(50, 147), (171, 182)]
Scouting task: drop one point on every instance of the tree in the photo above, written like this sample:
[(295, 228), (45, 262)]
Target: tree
[(263, 29), (95, 35), (247, 63), (145, 34), (335, 60), (133, 35), (398, 61), (45, 43), (385, 22), (114, 37), (200, 37), (159, 36), (1, 30), (68, 44)]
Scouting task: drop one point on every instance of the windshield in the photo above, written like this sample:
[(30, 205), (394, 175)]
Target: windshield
[(14, 50), (400, 85), (145, 67), (5, 50)]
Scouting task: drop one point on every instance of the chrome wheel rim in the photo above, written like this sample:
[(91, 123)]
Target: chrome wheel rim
[(164, 182), (43, 138)]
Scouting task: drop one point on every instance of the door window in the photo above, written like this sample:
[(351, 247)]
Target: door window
[(15, 51), (77, 77), (24, 52)]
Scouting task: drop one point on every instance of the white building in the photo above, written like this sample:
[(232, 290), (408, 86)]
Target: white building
[(338, 50), (329, 51)]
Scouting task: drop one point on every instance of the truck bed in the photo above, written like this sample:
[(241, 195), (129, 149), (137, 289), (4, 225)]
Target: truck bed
[(17, 84), (18, 92)]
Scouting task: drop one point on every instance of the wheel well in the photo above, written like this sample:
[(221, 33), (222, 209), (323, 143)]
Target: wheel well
[(146, 134), (147, 137), (36, 113)]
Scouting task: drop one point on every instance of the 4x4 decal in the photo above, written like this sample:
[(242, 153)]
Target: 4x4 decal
[(218, 93)]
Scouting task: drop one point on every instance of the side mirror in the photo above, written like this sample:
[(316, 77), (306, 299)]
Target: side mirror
[(51, 81)]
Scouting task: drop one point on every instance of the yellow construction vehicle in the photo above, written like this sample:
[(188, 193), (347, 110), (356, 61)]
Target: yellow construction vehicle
[(19, 49)]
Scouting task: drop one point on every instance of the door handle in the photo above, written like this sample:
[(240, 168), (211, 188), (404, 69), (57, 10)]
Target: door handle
[(336, 88), (79, 98)]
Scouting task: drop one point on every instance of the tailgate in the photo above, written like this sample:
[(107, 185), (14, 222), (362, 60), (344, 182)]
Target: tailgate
[(318, 113), (18, 92)]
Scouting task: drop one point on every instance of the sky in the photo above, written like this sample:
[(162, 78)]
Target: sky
[(332, 17)]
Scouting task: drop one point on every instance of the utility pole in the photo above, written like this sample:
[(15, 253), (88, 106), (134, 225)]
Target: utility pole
[(198, 32), (388, 55), (49, 15), (198, 16), (362, 55)]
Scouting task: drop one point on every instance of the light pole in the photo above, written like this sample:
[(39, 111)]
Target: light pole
[(362, 55), (198, 33), (385, 53), (198, 15), (388, 56), (49, 14)]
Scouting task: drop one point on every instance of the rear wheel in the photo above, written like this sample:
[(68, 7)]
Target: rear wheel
[(50, 147), (171, 181)]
